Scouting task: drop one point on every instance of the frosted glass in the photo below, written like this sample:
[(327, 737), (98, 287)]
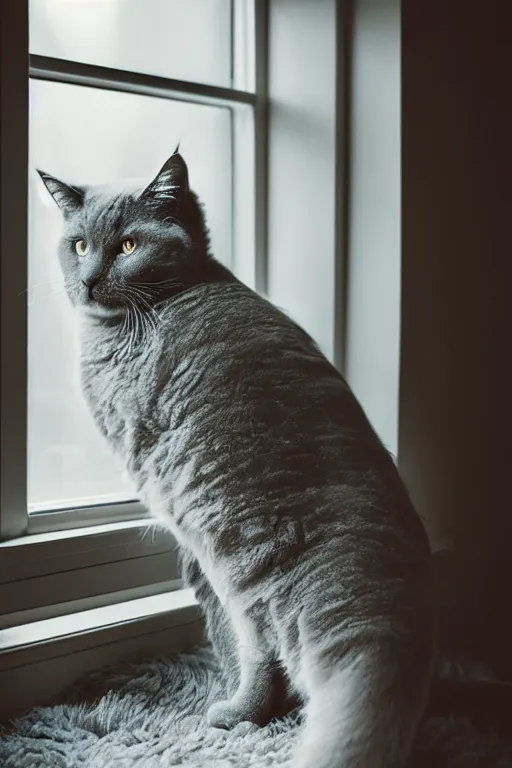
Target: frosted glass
[(182, 39), (89, 135)]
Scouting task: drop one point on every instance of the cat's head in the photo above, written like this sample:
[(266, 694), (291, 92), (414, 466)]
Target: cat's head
[(123, 247)]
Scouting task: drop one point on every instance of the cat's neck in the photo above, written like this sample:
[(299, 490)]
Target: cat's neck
[(116, 337)]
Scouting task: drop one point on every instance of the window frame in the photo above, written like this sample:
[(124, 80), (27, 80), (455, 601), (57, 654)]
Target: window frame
[(302, 176), (117, 543), (283, 31)]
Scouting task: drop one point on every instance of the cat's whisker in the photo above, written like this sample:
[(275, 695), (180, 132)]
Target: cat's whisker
[(161, 283), (139, 336), (144, 324), (147, 322), (135, 319), (128, 331), (149, 326), (137, 322), (153, 317), (51, 295), (43, 284), (132, 326), (124, 329), (135, 290), (141, 288)]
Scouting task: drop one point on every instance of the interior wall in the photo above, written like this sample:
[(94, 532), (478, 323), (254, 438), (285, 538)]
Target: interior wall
[(372, 342), (302, 152), (454, 430)]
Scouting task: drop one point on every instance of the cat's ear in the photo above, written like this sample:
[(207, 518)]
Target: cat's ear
[(69, 199), (171, 183)]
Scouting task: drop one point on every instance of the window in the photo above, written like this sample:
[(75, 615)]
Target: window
[(114, 86), (78, 131), (285, 156), (263, 134)]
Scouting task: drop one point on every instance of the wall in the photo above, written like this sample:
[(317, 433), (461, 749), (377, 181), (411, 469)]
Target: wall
[(302, 154), (454, 433), (454, 241), (372, 352)]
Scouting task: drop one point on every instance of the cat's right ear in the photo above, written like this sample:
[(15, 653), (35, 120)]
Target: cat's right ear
[(69, 199)]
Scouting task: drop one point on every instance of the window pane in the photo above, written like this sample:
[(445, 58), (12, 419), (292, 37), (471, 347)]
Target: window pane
[(182, 39), (76, 133)]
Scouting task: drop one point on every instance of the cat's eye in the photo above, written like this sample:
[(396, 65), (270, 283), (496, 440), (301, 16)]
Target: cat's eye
[(128, 245), (81, 247)]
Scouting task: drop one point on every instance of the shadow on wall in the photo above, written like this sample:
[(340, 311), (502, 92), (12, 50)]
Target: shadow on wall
[(454, 413)]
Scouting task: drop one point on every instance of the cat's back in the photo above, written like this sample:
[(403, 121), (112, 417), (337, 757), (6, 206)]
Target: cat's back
[(243, 332), (257, 357), (253, 384)]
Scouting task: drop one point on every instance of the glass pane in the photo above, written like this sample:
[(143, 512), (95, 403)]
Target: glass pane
[(76, 133), (182, 39)]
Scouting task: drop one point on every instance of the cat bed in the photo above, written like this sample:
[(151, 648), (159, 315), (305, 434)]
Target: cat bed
[(152, 713)]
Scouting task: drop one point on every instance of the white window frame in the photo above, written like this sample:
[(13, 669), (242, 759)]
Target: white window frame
[(300, 157), (94, 553), (307, 125)]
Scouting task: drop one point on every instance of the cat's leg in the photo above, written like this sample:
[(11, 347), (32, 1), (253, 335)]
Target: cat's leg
[(219, 629), (259, 677), (220, 632)]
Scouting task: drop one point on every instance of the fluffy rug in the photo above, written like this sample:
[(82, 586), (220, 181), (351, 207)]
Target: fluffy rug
[(152, 714)]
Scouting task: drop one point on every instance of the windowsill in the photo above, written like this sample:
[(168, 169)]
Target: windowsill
[(110, 617), (72, 548), (87, 567), (44, 612), (48, 537), (56, 519), (40, 660), (40, 639)]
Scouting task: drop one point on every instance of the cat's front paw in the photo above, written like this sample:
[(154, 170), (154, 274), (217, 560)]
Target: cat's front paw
[(226, 715)]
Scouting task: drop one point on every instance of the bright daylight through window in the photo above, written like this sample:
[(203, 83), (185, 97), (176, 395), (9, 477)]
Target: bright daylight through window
[(180, 73)]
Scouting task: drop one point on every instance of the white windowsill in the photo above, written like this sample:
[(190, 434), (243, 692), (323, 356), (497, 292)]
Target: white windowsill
[(40, 660), (94, 620), (43, 612), (64, 550), (56, 519), (50, 537)]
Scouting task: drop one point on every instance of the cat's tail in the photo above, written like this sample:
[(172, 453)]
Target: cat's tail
[(363, 711)]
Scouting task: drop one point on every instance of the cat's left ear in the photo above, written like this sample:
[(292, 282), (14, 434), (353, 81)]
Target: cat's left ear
[(171, 183)]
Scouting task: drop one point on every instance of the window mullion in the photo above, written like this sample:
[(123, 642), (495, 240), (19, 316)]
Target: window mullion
[(261, 144)]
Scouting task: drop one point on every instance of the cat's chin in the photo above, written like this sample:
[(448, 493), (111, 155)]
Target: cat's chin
[(102, 313)]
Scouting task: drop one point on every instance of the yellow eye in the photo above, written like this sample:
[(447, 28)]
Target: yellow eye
[(128, 245), (81, 247)]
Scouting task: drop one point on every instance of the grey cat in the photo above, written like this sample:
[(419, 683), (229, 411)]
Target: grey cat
[(297, 533)]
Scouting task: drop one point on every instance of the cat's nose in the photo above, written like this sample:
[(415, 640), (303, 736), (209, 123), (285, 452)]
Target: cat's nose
[(89, 283)]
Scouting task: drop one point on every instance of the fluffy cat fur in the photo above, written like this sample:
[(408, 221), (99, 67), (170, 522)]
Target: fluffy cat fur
[(297, 533)]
